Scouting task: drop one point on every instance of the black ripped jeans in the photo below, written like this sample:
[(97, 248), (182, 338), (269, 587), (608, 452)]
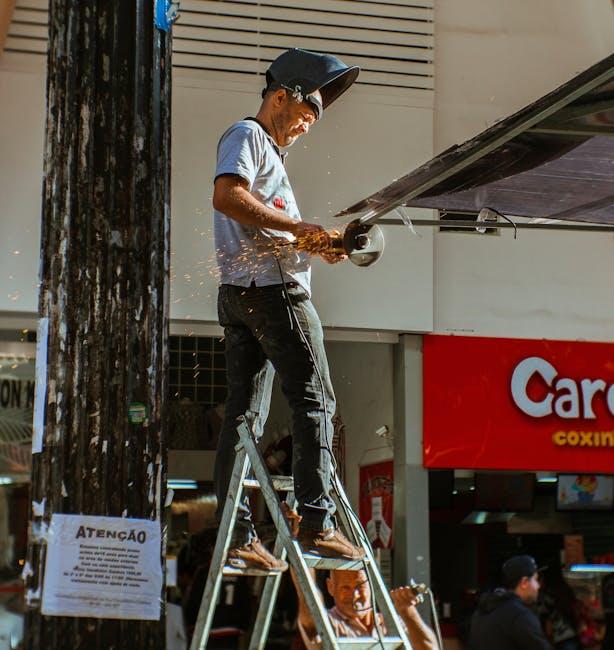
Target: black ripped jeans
[(261, 339)]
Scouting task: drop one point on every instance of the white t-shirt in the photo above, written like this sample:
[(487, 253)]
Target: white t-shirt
[(245, 253), (342, 627)]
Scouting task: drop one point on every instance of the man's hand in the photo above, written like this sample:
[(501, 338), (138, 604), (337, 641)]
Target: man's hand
[(232, 197), (311, 238), (333, 256), (420, 634), (405, 601)]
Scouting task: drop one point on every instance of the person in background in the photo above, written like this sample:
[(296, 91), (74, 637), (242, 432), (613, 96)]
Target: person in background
[(233, 613), (503, 619), (590, 626), (558, 609), (353, 614)]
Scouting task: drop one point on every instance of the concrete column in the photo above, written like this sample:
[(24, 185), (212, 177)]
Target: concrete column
[(411, 504)]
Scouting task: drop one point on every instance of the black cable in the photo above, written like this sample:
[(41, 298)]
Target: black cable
[(435, 618), (503, 216), (347, 508), (294, 318)]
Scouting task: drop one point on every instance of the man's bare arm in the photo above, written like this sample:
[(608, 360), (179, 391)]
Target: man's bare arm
[(304, 615), (420, 634), (232, 197)]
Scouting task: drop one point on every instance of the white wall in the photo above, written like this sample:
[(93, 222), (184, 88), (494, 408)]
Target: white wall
[(493, 57), (544, 285), (22, 114), (363, 142)]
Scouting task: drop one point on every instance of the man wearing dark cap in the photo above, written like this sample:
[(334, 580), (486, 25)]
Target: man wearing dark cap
[(503, 619), (264, 301)]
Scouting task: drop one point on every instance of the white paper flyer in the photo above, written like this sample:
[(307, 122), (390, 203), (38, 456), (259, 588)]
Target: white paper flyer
[(103, 567)]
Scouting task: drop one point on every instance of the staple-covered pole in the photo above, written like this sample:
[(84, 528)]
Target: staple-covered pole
[(104, 293)]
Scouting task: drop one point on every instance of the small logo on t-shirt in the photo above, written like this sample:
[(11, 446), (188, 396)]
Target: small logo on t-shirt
[(279, 203)]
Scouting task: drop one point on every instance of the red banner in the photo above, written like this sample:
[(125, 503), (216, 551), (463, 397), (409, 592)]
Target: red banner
[(518, 404), (375, 502)]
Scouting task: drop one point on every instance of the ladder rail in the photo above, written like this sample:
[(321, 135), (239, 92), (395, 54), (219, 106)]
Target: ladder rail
[(367, 643), (222, 546), (295, 555), (381, 594), (268, 597)]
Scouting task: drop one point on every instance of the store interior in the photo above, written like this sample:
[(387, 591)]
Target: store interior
[(477, 518)]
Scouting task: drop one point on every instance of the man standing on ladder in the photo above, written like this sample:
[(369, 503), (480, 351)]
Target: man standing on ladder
[(264, 305)]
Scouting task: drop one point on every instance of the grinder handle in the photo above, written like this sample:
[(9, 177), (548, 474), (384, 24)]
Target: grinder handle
[(336, 245)]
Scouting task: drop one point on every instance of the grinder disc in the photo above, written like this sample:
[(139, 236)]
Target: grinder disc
[(363, 243)]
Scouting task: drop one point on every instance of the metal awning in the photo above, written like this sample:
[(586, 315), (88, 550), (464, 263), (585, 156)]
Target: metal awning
[(553, 159)]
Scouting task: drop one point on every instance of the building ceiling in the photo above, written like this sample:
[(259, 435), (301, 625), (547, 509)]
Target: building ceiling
[(552, 159)]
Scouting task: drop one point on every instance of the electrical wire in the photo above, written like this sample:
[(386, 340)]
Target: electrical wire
[(435, 618), (345, 505), (419, 591)]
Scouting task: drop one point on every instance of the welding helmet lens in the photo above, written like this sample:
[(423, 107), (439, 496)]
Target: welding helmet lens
[(302, 72)]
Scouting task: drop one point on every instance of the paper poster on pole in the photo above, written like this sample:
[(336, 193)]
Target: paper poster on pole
[(103, 567), (40, 394)]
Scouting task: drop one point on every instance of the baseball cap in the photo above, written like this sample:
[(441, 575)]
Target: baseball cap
[(517, 568)]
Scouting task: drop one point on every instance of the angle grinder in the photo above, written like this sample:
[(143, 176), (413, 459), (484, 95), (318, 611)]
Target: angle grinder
[(363, 243)]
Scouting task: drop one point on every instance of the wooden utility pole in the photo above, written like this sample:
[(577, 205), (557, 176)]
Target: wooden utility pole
[(104, 292)]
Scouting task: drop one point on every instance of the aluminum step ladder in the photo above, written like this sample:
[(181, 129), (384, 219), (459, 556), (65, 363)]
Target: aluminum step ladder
[(287, 547)]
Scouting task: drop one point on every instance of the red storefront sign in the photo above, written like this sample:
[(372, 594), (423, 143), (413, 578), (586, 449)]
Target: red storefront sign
[(518, 404), (375, 502)]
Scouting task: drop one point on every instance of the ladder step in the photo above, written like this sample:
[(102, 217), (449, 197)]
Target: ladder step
[(233, 571), (280, 483), (314, 561), (388, 642)]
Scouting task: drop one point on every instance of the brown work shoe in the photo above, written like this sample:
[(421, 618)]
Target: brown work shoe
[(254, 555), (329, 543)]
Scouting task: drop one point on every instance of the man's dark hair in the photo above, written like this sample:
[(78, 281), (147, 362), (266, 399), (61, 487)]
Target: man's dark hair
[(511, 583), (517, 568)]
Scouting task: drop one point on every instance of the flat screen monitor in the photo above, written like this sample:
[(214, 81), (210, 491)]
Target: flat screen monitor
[(504, 492), (585, 492)]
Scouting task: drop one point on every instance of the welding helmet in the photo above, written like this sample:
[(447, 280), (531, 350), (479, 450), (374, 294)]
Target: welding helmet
[(302, 72)]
